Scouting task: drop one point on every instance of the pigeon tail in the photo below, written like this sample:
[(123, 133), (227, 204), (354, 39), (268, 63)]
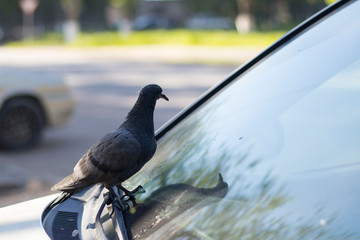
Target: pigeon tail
[(69, 184)]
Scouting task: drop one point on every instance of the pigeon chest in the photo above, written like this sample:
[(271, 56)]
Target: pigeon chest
[(148, 148)]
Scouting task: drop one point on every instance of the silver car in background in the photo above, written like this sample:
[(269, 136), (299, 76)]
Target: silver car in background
[(28, 104)]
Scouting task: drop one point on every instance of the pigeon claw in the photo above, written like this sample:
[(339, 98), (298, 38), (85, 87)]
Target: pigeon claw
[(130, 195), (108, 198), (131, 198), (138, 190)]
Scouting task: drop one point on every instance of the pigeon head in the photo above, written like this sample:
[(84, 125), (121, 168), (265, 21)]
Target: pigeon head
[(146, 102), (141, 115), (152, 92)]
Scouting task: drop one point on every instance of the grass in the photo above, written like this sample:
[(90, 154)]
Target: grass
[(161, 37)]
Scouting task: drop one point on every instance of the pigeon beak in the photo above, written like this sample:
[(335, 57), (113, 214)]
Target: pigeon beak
[(164, 97)]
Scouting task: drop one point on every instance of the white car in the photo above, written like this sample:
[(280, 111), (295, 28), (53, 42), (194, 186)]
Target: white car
[(28, 104)]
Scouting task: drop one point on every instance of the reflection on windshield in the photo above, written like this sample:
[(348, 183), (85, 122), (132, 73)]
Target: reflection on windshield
[(171, 207), (267, 133)]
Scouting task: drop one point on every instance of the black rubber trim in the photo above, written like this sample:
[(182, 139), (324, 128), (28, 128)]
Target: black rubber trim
[(279, 43)]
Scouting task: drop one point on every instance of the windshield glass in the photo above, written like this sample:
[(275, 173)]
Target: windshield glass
[(285, 137)]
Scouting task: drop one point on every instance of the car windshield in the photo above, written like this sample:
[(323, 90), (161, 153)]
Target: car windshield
[(285, 137)]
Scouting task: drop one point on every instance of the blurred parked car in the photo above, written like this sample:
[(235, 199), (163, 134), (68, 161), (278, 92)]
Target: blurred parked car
[(284, 132), (28, 104), (209, 22), (146, 22)]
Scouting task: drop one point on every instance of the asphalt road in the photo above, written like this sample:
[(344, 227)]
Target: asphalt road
[(105, 90)]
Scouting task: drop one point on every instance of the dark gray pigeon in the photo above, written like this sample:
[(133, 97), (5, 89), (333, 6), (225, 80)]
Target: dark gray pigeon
[(121, 153)]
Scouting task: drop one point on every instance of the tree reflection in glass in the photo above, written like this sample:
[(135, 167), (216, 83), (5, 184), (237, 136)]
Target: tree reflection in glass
[(285, 138)]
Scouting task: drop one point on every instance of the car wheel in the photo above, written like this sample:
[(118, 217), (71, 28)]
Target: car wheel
[(21, 124)]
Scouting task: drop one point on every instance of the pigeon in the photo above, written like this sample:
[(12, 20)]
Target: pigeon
[(121, 153)]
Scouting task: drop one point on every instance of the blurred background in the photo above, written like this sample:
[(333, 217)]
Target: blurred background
[(79, 65), (63, 20)]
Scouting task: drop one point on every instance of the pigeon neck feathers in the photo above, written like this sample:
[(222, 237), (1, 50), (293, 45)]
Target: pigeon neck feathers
[(141, 115)]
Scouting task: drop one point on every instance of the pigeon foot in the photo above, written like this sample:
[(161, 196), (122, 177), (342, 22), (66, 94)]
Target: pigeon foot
[(130, 195)]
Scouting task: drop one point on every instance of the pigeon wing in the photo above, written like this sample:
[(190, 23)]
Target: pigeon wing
[(114, 155)]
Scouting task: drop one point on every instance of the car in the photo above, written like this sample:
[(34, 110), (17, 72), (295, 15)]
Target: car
[(29, 104), (207, 21), (146, 22), (271, 152)]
